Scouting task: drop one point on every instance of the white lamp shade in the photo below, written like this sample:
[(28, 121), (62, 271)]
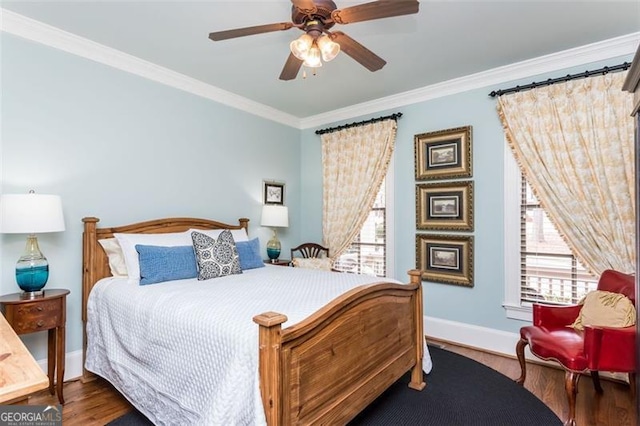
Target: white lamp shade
[(30, 213), (275, 216)]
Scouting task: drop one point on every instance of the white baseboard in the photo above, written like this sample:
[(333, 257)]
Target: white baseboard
[(72, 365), (484, 338)]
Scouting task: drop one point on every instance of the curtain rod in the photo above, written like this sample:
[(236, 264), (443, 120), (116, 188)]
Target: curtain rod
[(359, 123), (621, 67)]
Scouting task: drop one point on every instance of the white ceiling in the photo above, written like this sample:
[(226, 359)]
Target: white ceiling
[(447, 39)]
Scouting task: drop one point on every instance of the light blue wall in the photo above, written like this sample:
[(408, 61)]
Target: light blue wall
[(126, 149), (482, 304)]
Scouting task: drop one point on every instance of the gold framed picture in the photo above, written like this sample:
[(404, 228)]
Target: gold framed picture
[(445, 206), (443, 154), (445, 258)]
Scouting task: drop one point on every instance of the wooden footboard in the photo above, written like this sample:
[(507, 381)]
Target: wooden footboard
[(329, 367)]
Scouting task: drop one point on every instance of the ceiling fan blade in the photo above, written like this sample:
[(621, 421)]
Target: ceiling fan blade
[(364, 56), (307, 7), (241, 32), (291, 68), (374, 10)]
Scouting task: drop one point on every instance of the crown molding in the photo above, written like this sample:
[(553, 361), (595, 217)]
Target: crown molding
[(607, 49), (42, 33)]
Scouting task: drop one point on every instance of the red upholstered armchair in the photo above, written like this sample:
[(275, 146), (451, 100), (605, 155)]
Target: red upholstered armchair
[(551, 337)]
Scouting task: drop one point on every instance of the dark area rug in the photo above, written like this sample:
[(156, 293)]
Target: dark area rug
[(459, 391)]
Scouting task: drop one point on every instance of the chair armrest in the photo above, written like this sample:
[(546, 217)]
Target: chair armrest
[(610, 348), (552, 315)]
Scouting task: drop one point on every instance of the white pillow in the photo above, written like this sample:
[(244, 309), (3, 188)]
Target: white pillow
[(238, 234), (128, 244), (116, 257)]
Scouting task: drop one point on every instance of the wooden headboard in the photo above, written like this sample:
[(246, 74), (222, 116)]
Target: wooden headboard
[(95, 264)]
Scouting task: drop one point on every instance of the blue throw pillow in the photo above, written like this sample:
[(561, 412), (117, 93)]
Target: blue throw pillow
[(159, 264), (249, 252)]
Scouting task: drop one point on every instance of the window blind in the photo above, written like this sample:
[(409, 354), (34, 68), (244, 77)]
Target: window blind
[(367, 253), (550, 272)]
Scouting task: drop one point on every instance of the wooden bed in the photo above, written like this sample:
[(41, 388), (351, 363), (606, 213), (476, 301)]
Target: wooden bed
[(325, 369)]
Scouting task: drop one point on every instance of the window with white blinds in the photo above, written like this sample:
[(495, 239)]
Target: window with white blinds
[(367, 253), (549, 271)]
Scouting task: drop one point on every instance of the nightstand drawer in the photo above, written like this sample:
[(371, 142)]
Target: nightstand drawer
[(31, 324), (30, 317)]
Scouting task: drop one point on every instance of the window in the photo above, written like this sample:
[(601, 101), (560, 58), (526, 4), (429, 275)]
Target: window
[(369, 253), (539, 266), (366, 254), (549, 271)]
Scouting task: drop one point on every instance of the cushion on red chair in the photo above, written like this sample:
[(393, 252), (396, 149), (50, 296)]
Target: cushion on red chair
[(606, 309), (562, 344)]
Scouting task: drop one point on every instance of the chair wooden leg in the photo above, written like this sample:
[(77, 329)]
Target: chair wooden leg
[(632, 383), (596, 381), (523, 365), (571, 386)]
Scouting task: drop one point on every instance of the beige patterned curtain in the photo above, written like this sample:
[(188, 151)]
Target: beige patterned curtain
[(574, 143), (355, 162)]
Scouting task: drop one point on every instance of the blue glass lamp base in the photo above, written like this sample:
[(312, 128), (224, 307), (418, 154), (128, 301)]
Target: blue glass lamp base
[(32, 269), (273, 253), (32, 279)]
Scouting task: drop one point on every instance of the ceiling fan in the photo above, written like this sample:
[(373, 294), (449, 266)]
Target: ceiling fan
[(316, 18)]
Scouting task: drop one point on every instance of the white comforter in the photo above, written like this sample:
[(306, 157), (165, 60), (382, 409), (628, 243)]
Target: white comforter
[(186, 352)]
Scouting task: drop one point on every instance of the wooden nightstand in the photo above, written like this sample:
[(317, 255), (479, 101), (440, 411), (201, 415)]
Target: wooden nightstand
[(279, 262), (46, 312)]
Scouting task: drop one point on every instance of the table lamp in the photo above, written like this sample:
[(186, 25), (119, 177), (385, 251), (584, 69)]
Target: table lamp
[(274, 216), (31, 214)]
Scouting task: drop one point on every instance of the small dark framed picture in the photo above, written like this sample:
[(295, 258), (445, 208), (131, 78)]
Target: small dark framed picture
[(445, 206), (445, 258), (443, 154), (273, 193)]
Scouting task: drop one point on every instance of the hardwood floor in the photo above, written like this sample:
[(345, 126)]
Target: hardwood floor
[(97, 402)]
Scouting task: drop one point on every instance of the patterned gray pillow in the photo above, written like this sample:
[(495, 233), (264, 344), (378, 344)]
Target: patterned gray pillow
[(216, 257)]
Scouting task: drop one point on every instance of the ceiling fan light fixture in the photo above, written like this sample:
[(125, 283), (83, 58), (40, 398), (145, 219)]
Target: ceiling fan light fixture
[(328, 48), (300, 47), (313, 58)]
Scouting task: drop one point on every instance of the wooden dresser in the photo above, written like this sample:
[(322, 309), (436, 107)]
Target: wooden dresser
[(20, 374)]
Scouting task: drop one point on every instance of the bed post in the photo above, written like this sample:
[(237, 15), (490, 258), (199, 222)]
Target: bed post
[(270, 364), (417, 382), (89, 241)]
